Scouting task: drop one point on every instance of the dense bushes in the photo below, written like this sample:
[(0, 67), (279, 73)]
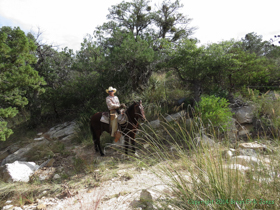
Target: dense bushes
[(214, 111)]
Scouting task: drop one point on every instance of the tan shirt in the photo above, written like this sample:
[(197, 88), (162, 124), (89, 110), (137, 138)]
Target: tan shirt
[(112, 102)]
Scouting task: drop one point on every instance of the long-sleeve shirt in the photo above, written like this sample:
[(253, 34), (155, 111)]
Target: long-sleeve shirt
[(112, 102)]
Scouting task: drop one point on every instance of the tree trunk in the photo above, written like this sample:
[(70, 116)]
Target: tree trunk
[(197, 91), (35, 110)]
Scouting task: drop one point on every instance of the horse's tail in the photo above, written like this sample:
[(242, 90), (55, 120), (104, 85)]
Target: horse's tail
[(92, 130)]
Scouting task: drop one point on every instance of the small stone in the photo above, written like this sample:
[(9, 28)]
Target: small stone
[(39, 134), (227, 154), (17, 208), (56, 176), (39, 139), (41, 206)]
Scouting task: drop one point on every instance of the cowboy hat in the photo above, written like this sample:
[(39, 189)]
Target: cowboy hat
[(111, 89)]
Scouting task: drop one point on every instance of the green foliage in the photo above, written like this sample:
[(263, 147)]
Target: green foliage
[(16, 74), (214, 110)]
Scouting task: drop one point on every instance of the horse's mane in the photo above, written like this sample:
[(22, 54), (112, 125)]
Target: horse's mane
[(130, 107)]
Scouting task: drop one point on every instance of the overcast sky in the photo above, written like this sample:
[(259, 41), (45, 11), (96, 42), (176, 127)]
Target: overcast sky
[(66, 22)]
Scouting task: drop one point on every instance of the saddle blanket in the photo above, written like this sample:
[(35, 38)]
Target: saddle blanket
[(105, 118)]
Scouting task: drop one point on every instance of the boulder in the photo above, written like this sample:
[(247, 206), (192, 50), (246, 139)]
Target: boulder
[(244, 114), (175, 116), (155, 123), (204, 140), (9, 150), (63, 131), (20, 155), (19, 171)]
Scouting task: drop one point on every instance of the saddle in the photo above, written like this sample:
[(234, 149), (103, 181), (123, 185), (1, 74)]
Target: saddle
[(105, 118)]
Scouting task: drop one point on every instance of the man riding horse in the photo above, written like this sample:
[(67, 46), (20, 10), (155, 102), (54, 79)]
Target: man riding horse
[(113, 105)]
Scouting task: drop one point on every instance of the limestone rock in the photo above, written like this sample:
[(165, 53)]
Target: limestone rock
[(205, 140), (56, 176), (238, 167), (20, 155), (227, 154), (155, 123), (8, 207), (252, 145), (244, 114), (175, 116), (63, 131), (18, 171), (246, 160), (247, 152)]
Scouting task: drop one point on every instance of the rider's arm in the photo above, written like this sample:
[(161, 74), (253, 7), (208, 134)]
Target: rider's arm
[(113, 103)]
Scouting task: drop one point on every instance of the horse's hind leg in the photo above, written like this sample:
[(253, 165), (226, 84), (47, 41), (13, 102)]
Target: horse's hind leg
[(96, 141), (97, 145)]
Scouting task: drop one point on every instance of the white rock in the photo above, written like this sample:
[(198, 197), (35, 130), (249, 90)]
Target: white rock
[(228, 154), (246, 160), (238, 167), (252, 145), (39, 139), (18, 171), (17, 208), (39, 134), (7, 207)]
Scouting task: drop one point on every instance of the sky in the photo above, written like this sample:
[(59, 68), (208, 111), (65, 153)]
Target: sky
[(66, 22)]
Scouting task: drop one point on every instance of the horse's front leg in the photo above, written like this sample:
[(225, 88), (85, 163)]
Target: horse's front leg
[(132, 141), (126, 141)]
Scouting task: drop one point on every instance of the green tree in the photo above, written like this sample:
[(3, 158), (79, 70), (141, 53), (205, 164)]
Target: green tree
[(16, 73), (172, 24), (138, 28)]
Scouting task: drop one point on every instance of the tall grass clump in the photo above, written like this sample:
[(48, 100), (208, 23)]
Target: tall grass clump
[(197, 176)]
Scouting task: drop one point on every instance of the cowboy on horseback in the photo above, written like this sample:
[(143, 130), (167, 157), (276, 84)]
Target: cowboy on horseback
[(113, 105)]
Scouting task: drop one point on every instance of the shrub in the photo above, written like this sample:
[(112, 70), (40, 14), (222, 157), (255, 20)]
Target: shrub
[(214, 110)]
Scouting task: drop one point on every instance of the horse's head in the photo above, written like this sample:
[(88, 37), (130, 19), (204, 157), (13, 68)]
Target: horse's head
[(139, 110)]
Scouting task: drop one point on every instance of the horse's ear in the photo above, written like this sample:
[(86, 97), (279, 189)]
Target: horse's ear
[(140, 101)]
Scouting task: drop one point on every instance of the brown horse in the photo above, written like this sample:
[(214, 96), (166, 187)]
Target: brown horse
[(128, 129)]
